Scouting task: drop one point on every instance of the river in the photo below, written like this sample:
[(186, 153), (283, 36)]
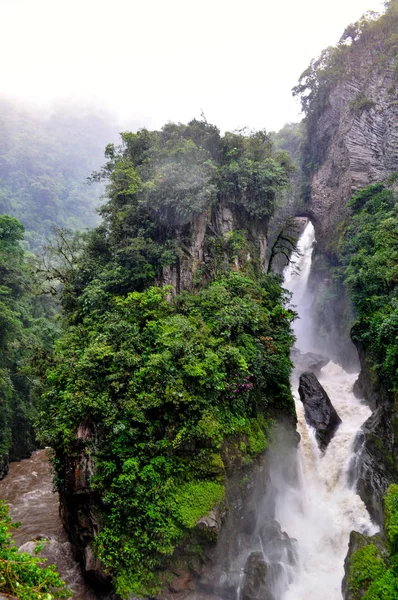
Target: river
[(321, 508), (28, 490)]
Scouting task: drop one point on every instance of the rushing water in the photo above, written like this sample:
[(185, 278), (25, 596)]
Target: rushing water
[(319, 509), (28, 490)]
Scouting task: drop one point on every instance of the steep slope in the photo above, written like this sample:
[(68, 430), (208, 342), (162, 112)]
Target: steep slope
[(350, 96)]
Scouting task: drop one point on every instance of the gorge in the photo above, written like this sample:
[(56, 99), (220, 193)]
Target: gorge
[(171, 374)]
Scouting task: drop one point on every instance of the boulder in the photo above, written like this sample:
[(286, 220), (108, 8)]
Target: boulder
[(309, 362), (255, 583), (319, 411), (277, 545)]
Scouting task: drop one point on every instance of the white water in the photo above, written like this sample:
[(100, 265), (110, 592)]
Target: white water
[(320, 509)]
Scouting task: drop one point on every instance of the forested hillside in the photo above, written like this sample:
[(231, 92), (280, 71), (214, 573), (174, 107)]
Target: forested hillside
[(45, 160)]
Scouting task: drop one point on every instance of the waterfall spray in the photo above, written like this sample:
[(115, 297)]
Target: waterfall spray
[(320, 508)]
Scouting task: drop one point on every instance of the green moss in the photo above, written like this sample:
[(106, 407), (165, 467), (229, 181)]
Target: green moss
[(373, 569), (365, 567), (257, 441), (193, 501)]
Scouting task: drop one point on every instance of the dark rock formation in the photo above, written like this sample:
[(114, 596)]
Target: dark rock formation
[(4, 462), (358, 541), (377, 463), (79, 505), (319, 411), (255, 582), (308, 362), (277, 545)]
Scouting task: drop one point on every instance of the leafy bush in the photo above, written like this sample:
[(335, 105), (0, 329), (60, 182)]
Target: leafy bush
[(166, 383), (22, 575), (369, 255)]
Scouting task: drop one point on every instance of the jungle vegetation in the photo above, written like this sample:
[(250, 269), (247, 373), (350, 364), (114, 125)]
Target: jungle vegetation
[(180, 384)]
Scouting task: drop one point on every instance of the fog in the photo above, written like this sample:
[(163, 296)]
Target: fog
[(154, 61)]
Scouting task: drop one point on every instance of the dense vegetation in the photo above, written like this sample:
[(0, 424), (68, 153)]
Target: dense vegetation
[(24, 576), (373, 568), (177, 385), (370, 260), (44, 164), (25, 328)]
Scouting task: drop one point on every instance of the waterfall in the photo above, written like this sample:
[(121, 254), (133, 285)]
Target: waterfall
[(319, 508)]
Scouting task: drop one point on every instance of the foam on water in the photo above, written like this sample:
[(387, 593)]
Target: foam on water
[(321, 508)]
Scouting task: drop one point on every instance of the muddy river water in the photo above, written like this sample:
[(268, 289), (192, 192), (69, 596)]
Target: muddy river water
[(28, 490)]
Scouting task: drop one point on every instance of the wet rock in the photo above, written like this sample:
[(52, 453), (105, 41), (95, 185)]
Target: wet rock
[(80, 505), (181, 583), (319, 411), (377, 459), (255, 581), (358, 541), (4, 465), (270, 531), (210, 522), (277, 545), (308, 362)]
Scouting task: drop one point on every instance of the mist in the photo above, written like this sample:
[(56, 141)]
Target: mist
[(149, 63)]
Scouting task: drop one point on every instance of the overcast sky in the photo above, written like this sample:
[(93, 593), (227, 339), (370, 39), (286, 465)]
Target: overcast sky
[(151, 61)]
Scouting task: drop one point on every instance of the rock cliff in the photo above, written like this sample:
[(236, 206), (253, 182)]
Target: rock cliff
[(198, 240), (360, 143), (353, 130), (352, 121)]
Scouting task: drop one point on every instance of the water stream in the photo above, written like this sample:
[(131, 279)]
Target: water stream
[(320, 508), (28, 489)]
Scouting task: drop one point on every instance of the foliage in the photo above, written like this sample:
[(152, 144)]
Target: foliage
[(370, 257), (366, 566), (22, 575), (165, 383), (361, 104), (167, 378), (44, 165), (24, 326), (159, 182), (372, 575)]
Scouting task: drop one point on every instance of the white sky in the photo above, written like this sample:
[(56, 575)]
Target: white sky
[(151, 61)]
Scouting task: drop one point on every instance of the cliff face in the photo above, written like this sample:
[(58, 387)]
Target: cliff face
[(217, 226), (356, 136), (353, 143)]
